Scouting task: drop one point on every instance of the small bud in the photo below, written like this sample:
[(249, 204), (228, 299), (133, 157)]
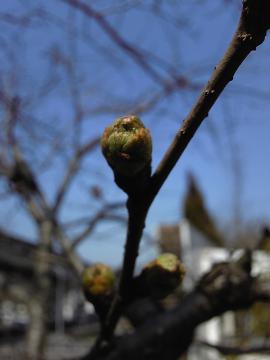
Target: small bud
[(163, 275), (98, 280), (127, 146)]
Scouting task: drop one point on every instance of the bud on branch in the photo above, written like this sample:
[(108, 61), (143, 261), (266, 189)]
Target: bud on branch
[(127, 147), (163, 275), (98, 280)]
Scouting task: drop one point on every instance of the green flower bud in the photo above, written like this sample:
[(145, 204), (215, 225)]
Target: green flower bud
[(163, 275), (98, 280), (127, 146)]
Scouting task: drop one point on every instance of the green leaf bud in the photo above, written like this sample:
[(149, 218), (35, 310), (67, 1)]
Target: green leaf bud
[(98, 280), (163, 275), (127, 146)]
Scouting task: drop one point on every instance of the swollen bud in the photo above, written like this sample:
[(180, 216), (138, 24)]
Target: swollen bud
[(163, 275), (127, 146), (98, 282)]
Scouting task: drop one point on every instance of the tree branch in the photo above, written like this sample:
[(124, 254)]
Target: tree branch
[(102, 214), (135, 54), (251, 31), (74, 260), (72, 170), (227, 286), (237, 350)]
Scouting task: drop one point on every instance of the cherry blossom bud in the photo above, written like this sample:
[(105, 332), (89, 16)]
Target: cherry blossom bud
[(127, 146), (98, 280), (163, 275)]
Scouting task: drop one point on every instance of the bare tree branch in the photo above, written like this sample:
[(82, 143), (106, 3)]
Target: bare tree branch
[(237, 350), (135, 54), (251, 31), (227, 286), (72, 170), (102, 214), (74, 260)]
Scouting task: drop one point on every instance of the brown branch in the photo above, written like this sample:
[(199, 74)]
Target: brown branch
[(237, 350), (227, 286), (135, 54), (39, 300), (170, 87), (74, 260), (146, 102), (136, 223), (25, 184), (5, 170), (19, 174), (22, 20), (72, 170), (251, 31), (246, 38), (100, 216)]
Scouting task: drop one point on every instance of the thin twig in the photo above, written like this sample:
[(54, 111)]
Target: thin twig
[(135, 54), (72, 170), (102, 214)]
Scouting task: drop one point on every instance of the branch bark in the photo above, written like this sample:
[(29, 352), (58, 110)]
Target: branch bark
[(227, 286), (251, 31), (37, 330), (237, 350)]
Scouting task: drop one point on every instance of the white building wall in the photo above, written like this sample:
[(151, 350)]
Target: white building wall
[(199, 255)]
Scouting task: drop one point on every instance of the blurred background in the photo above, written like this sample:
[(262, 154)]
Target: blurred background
[(68, 68)]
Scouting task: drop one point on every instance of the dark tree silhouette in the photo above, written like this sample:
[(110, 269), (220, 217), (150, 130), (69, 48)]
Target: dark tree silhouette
[(196, 212)]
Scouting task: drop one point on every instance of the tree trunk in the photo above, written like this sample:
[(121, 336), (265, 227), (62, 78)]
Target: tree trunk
[(38, 304)]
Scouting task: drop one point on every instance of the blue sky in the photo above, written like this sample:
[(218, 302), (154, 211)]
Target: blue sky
[(236, 132)]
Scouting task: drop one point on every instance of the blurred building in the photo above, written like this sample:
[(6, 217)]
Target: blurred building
[(17, 261), (199, 253)]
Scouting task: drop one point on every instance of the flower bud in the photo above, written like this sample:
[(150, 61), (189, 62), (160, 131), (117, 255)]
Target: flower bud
[(98, 280), (163, 275), (127, 146)]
